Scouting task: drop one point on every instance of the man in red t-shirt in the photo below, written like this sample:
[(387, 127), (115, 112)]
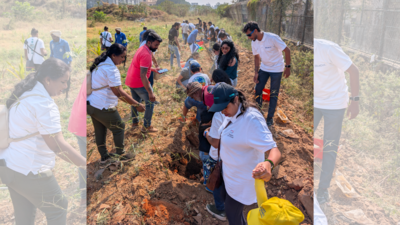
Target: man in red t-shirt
[(138, 80)]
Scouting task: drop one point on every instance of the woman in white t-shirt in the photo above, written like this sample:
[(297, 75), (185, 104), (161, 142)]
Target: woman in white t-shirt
[(26, 165), (244, 139), (102, 104)]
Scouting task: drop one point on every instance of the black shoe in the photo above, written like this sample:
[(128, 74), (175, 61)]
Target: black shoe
[(323, 196), (270, 122), (105, 158), (212, 209)]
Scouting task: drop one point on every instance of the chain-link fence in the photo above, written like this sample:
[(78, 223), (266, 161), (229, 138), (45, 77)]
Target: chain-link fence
[(291, 19), (369, 26)]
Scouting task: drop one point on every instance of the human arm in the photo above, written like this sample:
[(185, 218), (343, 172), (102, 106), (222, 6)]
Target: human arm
[(63, 149), (263, 170), (26, 54), (125, 97), (287, 61), (232, 62), (177, 43), (155, 61), (257, 60), (43, 51), (179, 80), (146, 84), (213, 141), (354, 107)]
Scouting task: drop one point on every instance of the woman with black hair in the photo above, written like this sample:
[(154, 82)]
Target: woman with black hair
[(219, 76), (102, 104), (228, 60), (244, 138), (35, 125)]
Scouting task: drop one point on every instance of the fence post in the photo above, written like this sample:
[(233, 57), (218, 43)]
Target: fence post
[(382, 39), (304, 22)]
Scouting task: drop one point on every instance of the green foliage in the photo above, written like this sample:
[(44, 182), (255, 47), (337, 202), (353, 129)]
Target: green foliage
[(222, 10), (96, 49), (99, 16), (173, 1), (252, 6), (18, 72), (22, 11)]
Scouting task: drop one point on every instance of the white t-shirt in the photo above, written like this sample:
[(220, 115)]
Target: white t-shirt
[(185, 28), (330, 63), (105, 74), (31, 115), (202, 78), (216, 123), (243, 144), (105, 38), (37, 59), (270, 50)]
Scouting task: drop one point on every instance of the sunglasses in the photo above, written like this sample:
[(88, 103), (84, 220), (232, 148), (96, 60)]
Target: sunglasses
[(249, 35)]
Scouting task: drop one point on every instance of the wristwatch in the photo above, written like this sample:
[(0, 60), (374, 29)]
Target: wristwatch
[(287, 66), (356, 98)]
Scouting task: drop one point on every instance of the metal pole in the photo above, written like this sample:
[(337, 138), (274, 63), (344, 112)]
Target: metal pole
[(304, 22)]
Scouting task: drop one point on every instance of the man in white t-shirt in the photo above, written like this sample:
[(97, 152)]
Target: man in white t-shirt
[(185, 31), (198, 76), (268, 48), (330, 102), (105, 39), (34, 51)]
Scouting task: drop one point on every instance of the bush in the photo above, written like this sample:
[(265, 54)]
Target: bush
[(22, 11), (222, 10), (99, 16)]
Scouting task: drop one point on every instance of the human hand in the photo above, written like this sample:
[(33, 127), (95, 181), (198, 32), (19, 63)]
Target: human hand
[(152, 97), (286, 74), (262, 171), (353, 110), (256, 78), (140, 107)]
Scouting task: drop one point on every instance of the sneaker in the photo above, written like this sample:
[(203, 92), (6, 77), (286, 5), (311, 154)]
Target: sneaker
[(106, 158), (323, 196), (215, 212), (149, 129), (270, 122), (208, 190)]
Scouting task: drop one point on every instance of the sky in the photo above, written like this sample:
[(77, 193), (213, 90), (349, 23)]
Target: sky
[(212, 2)]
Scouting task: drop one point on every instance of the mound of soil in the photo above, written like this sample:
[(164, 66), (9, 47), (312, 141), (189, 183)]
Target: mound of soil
[(163, 185)]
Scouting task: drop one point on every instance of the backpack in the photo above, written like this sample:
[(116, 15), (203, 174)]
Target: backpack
[(89, 88), (5, 139)]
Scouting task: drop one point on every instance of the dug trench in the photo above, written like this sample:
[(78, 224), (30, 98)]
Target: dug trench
[(163, 183)]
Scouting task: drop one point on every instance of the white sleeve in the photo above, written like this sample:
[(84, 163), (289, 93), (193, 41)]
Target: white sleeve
[(41, 44), (215, 125), (113, 77), (47, 117), (259, 137), (208, 80), (254, 49), (280, 45), (339, 58)]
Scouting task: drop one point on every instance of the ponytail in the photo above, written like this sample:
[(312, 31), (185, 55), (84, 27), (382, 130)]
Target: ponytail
[(245, 103), (52, 67), (115, 49)]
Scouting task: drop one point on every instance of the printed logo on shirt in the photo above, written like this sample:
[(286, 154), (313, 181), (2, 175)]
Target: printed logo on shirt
[(320, 65), (201, 80), (231, 134), (268, 47)]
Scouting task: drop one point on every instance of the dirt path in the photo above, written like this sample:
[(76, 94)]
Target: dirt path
[(162, 185)]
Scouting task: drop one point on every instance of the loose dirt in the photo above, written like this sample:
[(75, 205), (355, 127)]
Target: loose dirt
[(163, 185)]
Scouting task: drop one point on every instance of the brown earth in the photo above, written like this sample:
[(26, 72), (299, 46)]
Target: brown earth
[(162, 185)]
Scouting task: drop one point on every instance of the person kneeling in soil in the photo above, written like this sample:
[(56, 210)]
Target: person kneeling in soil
[(201, 80), (102, 103), (244, 139), (183, 79)]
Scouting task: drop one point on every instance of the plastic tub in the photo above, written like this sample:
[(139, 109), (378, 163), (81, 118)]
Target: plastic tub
[(200, 43)]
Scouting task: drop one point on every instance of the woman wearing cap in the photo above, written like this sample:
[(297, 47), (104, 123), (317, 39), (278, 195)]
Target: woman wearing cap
[(228, 60), (244, 139), (102, 103), (26, 165)]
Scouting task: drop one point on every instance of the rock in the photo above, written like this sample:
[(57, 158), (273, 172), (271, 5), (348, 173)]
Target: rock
[(182, 197), (198, 218), (279, 172), (98, 174), (307, 202), (104, 206), (297, 184), (194, 197)]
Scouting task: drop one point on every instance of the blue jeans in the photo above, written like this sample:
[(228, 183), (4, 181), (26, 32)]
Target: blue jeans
[(82, 172), (185, 37), (333, 119), (175, 51), (137, 94), (204, 158), (218, 198), (190, 102), (263, 77)]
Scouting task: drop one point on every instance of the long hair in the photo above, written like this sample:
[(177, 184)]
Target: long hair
[(52, 67), (228, 57), (219, 76), (115, 49), (212, 31), (245, 103)]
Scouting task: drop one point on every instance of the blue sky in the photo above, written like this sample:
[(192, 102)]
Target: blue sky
[(212, 2)]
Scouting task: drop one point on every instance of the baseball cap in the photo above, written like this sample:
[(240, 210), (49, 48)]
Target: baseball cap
[(223, 94), (194, 66), (273, 211)]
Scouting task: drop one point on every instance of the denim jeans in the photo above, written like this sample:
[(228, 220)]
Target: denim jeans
[(333, 119), (138, 94), (234, 82), (263, 77), (193, 47), (185, 37), (190, 102), (82, 172), (204, 158), (175, 51)]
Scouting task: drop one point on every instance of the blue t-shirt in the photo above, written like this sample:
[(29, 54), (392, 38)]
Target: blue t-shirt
[(192, 37), (141, 33), (121, 39), (58, 49)]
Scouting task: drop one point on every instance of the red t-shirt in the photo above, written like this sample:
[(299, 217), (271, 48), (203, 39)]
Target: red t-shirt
[(208, 98), (142, 58)]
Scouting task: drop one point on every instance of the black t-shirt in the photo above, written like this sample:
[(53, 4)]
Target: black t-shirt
[(172, 34)]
